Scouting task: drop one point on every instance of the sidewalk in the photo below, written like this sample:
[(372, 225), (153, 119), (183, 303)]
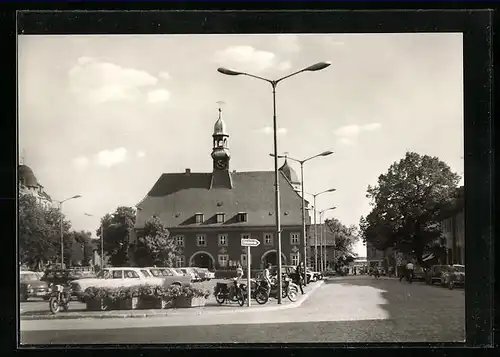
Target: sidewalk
[(210, 309)]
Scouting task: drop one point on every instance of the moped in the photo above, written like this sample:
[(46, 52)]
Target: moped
[(226, 293), (59, 298)]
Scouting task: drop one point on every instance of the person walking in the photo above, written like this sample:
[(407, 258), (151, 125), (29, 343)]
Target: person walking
[(239, 271), (409, 271), (300, 271), (267, 276)]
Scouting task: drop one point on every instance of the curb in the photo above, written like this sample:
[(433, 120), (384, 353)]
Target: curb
[(167, 313)]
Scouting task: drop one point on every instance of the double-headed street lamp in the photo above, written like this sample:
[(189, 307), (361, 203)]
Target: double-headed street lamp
[(322, 245), (315, 67), (315, 225), (301, 162), (61, 224)]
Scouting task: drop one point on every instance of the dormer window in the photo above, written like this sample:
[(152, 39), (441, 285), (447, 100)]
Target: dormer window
[(220, 217), (242, 217), (199, 217)]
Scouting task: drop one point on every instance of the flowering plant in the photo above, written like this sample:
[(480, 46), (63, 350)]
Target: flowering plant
[(94, 293)]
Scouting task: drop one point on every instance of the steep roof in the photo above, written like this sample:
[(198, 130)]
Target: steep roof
[(27, 177), (289, 173), (177, 197)]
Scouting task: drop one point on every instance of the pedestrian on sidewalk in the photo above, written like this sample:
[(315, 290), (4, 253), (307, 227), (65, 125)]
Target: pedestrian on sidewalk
[(409, 271), (239, 271), (267, 276), (300, 271)]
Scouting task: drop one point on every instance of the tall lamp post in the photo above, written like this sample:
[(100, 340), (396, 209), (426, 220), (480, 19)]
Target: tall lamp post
[(301, 162), (61, 225), (315, 67), (323, 247), (315, 225)]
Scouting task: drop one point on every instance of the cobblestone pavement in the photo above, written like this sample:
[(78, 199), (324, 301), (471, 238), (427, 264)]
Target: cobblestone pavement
[(354, 309)]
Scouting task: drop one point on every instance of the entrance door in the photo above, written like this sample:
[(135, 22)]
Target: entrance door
[(202, 260)]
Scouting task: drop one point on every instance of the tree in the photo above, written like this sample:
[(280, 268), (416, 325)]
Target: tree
[(345, 239), (81, 247), (117, 227), (155, 247), (39, 232), (407, 204)]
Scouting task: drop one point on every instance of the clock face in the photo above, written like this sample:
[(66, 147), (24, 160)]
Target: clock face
[(220, 164)]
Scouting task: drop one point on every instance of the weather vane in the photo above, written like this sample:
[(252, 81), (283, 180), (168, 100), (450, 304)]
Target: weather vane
[(23, 157), (221, 104)]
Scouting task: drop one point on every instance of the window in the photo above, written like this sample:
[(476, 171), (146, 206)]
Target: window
[(242, 217), (294, 257), (268, 238), (117, 274), (145, 273), (220, 217), (201, 241), (223, 260), (243, 260), (179, 241), (199, 217), (223, 240), (245, 236), (130, 274), (294, 238), (179, 261)]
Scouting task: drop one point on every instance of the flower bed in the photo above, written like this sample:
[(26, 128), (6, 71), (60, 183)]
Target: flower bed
[(144, 297)]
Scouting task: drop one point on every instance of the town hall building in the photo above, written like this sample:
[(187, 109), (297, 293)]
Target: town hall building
[(207, 214)]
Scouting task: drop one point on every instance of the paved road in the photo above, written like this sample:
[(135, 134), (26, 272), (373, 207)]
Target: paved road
[(357, 309)]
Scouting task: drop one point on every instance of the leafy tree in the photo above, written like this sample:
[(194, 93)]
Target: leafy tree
[(408, 203), (117, 227), (39, 232), (155, 247), (345, 239), (80, 247)]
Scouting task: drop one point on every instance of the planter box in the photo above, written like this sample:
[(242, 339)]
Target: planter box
[(98, 305), (128, 304), (183, 302), (153, 303)]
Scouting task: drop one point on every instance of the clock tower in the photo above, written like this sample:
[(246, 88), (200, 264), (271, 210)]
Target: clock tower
[(220, 149)]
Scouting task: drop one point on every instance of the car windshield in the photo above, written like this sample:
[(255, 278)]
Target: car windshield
[(29, 277)]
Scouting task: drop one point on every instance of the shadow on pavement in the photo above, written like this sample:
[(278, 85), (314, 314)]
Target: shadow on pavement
[(416, 306)]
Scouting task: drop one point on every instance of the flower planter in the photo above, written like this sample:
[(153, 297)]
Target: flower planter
[(184, 302), (128, 304), (153, 303), (98, 305)]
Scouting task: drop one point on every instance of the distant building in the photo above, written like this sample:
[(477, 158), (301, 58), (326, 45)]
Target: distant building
[(453, 228), (209, 213), (28, 184)]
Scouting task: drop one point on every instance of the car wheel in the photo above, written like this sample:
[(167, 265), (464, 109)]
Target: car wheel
[(176, 284)]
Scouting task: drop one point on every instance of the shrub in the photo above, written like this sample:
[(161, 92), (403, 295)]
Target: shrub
[(188, 292), (93, 293)]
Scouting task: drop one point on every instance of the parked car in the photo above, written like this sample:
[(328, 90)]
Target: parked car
[(418, 273), (115, 277), (205, 274), (453, 276), (192, 273), (434, 274), (168, 276), (31, 286)]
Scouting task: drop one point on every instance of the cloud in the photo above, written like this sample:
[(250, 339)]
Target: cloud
[(99, 81), (110, 158), (269, 130), (158, 95), (140, 153), (284, 66), (164, 75), (288, 43), (245, 58), (80, 162), (349, 133)]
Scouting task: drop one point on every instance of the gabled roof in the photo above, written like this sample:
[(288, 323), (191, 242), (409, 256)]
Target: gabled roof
[(177, 197)]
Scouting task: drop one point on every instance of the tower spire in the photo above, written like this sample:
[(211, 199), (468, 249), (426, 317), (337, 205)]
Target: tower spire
[(220, 104), (23, 157)]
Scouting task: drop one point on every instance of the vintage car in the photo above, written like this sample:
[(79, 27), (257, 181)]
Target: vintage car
[(418, 273), (190, 271), (169, 277), (31, 286), (116, 277), (434, 274), (453, 276), (205, 274)]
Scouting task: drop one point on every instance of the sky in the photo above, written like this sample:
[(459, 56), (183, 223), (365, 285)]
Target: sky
[(105, 116)]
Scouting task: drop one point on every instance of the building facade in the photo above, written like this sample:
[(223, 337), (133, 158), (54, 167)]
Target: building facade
[(28, 184), (208, 214), (453, 228)]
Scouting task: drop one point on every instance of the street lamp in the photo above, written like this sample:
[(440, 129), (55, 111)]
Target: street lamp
[(323, 248), (301, 162), (315, 225), (61, 224), (315, 67)]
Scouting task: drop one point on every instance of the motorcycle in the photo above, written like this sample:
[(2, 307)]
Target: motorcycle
[(225, 293), (289, 289), (259, 292), (59, 298)]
